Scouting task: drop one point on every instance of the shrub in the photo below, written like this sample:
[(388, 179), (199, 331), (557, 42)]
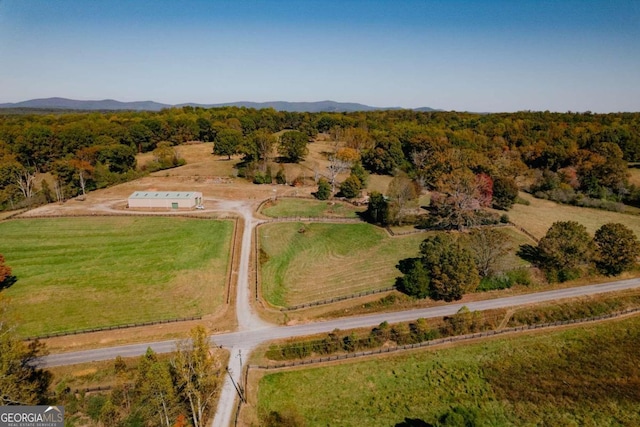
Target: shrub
[(505, 280), (491, 283), (351, 186), (263, 178), (281, 178), (324, 190)]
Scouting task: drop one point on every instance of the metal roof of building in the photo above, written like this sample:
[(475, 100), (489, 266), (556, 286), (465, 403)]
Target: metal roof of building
[(164, 194)]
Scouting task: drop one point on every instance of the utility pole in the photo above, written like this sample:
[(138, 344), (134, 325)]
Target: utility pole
[(238, 389)]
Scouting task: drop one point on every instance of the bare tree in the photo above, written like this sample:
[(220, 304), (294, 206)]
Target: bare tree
[(25, 179), (59, 191), (419, 160), (84, 171), (335, 168), (339, 161)]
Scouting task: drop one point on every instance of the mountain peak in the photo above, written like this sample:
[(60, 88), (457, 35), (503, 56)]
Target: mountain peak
[(112, 104)]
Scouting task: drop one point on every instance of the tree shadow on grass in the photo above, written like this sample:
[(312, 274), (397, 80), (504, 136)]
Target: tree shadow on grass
[(413, 422), (529, 253), (8, 282)]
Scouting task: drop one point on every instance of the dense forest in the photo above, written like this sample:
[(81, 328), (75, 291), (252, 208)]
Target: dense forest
[(579, 158)]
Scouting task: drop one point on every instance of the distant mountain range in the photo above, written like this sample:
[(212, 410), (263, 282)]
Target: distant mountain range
[(111, 104)]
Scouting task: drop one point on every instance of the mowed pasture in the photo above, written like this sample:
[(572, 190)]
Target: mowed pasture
[(588, 375), (540, 214), (302, 262), (77, 273), (309, 209)]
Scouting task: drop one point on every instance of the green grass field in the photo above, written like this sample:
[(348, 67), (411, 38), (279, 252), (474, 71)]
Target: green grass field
[(310, 209), (588, 375), (311, 262), (76, 273)]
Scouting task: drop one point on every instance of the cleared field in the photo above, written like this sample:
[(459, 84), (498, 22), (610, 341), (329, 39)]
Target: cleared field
[(541, 214), (311, 262), (583, 376), (309, 209), (76, 273)]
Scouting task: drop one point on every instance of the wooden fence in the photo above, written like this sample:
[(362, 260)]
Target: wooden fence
[(113, 327), (443, 341), (336, 299)]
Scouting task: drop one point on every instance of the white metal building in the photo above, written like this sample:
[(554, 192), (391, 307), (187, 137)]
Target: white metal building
[(165, 199)]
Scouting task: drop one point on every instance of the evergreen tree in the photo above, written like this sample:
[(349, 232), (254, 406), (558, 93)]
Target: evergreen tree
[(377, 209), (324, 190)]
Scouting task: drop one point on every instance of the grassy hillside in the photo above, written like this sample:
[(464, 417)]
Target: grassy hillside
[(582, 376), (310, 262), (78, 273)]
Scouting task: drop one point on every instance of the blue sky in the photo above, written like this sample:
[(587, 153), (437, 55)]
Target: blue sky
[(491, 55)]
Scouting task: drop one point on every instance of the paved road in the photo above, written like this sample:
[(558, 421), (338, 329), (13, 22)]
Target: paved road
[(254, 331), (253, 337)]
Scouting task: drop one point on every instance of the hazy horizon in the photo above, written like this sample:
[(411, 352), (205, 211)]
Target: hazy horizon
[(490, 56)]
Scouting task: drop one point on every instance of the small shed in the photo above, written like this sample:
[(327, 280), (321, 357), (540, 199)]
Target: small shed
[(165, 199)]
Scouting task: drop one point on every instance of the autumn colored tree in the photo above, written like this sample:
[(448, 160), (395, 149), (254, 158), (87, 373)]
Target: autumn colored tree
[(155, 391), (21, 381), (617, 250), (358, 139), (485, 189), (197, 375), (5, 271), (456, 206), (84, 171)]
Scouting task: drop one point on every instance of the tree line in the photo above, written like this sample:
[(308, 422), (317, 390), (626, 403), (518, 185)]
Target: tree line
[(449, 266), (564, 156)]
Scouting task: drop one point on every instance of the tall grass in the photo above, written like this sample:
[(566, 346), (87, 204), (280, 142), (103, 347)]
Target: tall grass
[(583, 376)]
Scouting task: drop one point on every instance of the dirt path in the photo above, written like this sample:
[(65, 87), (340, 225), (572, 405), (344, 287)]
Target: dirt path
[(248, 320)]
